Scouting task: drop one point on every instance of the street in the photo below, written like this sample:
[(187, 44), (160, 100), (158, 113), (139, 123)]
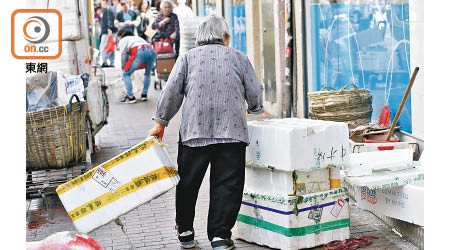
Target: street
[(151, 226)]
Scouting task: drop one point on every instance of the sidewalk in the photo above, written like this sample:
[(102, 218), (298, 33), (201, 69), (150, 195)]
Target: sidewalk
[(151, 226)]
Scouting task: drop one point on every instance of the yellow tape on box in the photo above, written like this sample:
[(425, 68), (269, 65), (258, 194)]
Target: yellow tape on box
[(119, 185)]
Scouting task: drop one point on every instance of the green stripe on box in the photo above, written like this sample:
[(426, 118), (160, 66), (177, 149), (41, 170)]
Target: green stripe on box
[(293, 232)]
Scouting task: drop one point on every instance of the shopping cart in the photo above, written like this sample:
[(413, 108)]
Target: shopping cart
[(165, 59)]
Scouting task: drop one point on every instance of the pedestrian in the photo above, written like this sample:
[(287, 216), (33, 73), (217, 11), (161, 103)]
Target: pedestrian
[(108, 29), (126, 18), (167, 23), (216, 82), (182, 10), (98, 25), (116, 6), (132, 5), (146, 19), (136, 53)]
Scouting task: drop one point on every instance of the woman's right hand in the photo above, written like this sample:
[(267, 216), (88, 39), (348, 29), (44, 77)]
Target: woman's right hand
[(158, 131), (164, 21)]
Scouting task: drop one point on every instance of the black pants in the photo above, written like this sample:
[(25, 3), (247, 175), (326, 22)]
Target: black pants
[(226, 185)]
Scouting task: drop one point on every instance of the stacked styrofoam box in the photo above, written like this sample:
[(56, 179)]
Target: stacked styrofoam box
[(366, 163), (75, 58), (294, 159), (298, 144), (405, 203), (188, 25), (118, 186), (70, 19), (272, 221), (383, 178), (279, 182)]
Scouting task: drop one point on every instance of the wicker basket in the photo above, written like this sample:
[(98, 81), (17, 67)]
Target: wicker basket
[(56, 137), (344, 105)]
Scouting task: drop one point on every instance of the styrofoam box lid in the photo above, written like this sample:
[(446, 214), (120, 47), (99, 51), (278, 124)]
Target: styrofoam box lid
[(388, 179)]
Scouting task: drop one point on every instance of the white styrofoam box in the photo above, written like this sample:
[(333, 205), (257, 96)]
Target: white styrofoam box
[(69, 12), (84, 55), (137, 81), (95, 102), (356, 147), (365, 163), (265, 180), (118, 186), (84, 18), (271, 220), (65, 63), (74, 59), (298, 144), (404, 203), (388, 179)]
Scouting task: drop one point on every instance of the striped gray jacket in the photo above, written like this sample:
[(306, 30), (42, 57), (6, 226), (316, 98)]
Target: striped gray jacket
[(216, 82)]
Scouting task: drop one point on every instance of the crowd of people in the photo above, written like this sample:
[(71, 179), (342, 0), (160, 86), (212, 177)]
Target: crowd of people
[(138, 21)]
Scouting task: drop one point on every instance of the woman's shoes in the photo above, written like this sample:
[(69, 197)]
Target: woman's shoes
[(128, 99)]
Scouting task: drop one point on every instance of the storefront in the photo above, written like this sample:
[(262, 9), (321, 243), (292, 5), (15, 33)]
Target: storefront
[(363, 42), (234, 12)]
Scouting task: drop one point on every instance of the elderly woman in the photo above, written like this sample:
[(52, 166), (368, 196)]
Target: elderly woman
[(167, 24), (216, 82)]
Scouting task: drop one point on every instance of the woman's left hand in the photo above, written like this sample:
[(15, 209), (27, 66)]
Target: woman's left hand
[(173, 36)]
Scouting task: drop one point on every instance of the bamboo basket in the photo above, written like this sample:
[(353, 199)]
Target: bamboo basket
[(344, 105), (56, 137)]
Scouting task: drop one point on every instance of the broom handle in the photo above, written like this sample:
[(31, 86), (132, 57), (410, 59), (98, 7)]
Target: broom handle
[(405, 97)]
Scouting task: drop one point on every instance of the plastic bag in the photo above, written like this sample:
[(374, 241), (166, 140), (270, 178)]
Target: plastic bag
[(41, 91), (69, 85), (110, 44), (95, 102), (137, 81), (163, 46)]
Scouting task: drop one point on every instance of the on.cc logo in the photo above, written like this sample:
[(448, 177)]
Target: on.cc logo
[(36, 29)]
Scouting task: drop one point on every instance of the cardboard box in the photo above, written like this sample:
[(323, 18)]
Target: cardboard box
[(335, 177), (404, 203), (366, 163), (272, 221), (298, 144), (71, 28), (118, 186), (278, 182)]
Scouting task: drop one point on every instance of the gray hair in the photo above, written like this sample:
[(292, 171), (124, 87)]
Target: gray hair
[(161, 5), (212, 29)]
